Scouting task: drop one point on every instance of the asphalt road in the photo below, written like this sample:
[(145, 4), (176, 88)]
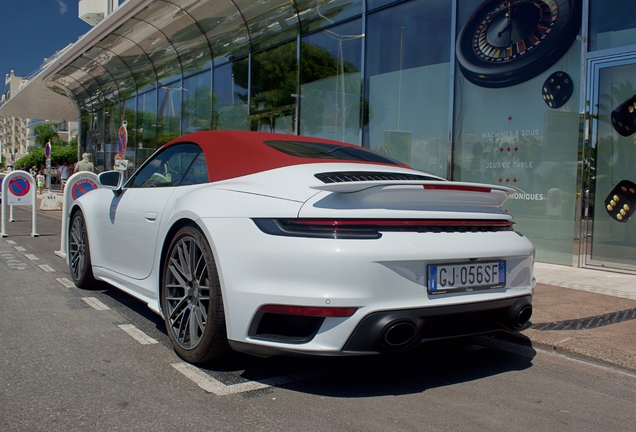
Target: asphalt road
[(96, 360)]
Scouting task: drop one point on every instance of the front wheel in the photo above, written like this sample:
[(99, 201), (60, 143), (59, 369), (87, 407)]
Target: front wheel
[(191, 298), (79, 252)]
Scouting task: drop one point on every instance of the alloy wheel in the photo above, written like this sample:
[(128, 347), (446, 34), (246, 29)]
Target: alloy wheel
[(187, 292)]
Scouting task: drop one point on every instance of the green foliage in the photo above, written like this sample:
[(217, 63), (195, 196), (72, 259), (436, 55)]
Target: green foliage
[(45, 132), (59, 154)]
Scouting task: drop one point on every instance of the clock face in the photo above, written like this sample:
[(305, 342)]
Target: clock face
[(507, 42)]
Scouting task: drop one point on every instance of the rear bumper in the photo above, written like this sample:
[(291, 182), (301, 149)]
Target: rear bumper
[(400, 330), (427, 324)]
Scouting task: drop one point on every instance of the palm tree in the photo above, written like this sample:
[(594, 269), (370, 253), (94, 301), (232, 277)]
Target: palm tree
[(45, 132)]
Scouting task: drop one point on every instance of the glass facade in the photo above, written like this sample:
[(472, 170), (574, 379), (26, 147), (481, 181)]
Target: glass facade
[(407, 83), (510, 135), (612, 24), (470, 90), (330, 82)]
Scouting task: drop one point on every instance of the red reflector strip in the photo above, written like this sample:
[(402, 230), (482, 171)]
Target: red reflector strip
[(309, 310), (398, 223), (458, 188)]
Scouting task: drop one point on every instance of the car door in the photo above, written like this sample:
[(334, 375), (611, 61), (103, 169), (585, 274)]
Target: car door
[(129, 240)]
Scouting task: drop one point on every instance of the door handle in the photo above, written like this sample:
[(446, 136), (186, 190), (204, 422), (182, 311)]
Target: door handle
[(151, 216)]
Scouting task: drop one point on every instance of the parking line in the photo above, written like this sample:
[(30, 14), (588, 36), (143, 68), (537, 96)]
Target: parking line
[(32, 257), (137, 334), (19, 248), (95, 304), (210, 385), (64, 281), (11, 242), (47, 268)]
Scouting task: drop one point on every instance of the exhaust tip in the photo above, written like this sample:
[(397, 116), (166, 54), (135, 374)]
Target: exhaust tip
[(523, 315), (519, 316), (399, 333)]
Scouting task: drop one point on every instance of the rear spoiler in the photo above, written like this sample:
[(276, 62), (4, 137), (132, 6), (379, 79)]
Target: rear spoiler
[(352, 187)]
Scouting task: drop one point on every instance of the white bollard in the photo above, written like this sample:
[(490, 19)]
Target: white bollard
[(19, 188), (77, 185)]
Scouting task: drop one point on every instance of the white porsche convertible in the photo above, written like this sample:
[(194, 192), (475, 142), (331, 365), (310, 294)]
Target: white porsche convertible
[(279, 244)]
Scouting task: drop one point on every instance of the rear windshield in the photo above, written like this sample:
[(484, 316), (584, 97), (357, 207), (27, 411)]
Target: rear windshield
[(315, 150)]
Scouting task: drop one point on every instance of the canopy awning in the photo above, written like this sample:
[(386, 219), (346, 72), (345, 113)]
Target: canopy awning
[(148, 43)]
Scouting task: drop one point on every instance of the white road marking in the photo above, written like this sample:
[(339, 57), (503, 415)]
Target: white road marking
[(32, 257), (11, 242), (47, 268), (137, 334), (210, 385), (95, 304), (64, 281), (19, 248)]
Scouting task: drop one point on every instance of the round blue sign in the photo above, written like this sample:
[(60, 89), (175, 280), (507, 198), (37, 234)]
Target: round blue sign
[(82, 187), (19, 186)]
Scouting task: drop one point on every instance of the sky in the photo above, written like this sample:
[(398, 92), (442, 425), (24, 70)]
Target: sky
[(32, 30)]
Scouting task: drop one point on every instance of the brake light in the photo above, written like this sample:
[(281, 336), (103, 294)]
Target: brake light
[(401, 222), (458, 188), (309, 311)]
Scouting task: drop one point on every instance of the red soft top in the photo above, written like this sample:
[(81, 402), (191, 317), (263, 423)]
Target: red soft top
[(231, 154)]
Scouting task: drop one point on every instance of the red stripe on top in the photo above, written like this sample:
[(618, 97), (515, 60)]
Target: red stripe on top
[(458, 188)]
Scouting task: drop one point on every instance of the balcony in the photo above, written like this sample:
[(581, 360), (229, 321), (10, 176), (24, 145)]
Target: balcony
[(93, 11)]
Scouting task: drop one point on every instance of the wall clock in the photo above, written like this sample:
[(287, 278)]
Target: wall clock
[(507, 42)]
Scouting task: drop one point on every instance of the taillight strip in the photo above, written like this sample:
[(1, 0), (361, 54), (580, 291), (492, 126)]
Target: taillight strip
[(309, 310), (400, 222)]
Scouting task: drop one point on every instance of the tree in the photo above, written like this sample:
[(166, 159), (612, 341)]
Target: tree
[(45, 132), (59, 155)]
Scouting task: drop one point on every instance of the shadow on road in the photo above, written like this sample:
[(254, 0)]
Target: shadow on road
[(433, 364)]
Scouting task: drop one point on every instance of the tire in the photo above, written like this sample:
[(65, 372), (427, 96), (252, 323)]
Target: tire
[(191, 299), (79, 252)]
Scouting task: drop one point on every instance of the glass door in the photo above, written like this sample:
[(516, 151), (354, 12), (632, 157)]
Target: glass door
[(610, 175)]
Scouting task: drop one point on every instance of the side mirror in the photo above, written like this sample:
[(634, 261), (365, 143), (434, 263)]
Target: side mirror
[(112, 180)]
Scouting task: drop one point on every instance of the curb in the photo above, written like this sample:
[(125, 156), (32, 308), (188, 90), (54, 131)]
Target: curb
[(524, 346)]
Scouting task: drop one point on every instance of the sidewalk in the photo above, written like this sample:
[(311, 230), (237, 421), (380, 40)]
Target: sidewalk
[(585, 313)]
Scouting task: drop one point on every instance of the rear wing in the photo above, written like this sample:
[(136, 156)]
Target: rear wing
[(423, 192)]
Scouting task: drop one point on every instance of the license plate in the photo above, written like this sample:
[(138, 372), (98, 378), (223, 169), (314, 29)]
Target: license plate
[(466, 277)]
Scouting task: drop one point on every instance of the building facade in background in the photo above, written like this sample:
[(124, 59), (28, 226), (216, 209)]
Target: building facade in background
[(13, 130), (66, 131), (538, 95)]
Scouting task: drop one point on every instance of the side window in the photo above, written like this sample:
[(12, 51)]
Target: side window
[(197, 173), (167, 168)]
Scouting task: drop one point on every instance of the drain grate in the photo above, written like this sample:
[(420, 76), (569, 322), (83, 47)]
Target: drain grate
[(589, 322)]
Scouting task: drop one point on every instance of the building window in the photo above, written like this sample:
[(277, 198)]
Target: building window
[(274, 84), (612, 24), (230, 96), (197, 102), (407, 83), (169, 112), (330, 90)]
